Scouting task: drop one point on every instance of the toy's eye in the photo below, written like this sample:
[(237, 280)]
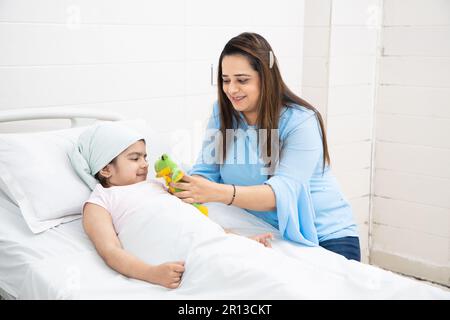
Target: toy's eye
[(163, 157)]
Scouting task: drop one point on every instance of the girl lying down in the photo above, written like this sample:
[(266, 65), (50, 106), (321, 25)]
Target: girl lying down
[(111, 159), (143, 232)]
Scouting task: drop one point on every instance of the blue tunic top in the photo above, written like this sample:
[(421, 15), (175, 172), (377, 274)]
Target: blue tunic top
[(310, 207)]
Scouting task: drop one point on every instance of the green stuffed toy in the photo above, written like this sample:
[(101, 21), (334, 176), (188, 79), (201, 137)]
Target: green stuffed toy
[(167, 169)]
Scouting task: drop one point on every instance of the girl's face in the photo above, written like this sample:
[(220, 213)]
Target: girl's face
[(241, 84), (130, 166)]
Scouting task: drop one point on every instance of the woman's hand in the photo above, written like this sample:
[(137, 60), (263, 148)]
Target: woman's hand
[(199, 190), (264, 239), (167, 274)]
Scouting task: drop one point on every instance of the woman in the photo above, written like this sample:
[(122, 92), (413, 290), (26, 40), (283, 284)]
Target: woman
[(290, 184)]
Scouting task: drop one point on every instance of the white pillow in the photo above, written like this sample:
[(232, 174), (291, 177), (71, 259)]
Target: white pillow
[(36, 173)]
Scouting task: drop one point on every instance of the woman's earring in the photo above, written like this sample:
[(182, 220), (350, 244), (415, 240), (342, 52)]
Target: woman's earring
[(271, 59)]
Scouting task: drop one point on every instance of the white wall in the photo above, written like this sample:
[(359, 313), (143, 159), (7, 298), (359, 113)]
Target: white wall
[(411, 211), (149, 59), (339, 78), (379, 70)]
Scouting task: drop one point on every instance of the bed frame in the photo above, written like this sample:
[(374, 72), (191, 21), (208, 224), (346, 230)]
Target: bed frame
[(75, 115)]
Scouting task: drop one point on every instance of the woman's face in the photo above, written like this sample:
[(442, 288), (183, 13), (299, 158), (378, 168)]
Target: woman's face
[(241, 84), (130, 166)]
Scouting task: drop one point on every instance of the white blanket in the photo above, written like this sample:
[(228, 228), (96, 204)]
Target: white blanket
[(228, 266), (62, 264)]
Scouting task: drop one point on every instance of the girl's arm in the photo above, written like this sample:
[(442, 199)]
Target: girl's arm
[(98, 225)]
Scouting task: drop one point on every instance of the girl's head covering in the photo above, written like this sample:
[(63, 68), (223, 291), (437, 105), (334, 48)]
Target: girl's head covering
[(98, 146)]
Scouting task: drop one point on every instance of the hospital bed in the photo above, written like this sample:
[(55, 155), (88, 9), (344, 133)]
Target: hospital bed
[(61, 262)]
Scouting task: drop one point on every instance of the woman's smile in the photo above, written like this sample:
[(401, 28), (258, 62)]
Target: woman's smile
[(237, 99)]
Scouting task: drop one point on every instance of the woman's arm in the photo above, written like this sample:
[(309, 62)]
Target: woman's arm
[(97, 223), (302, 141), (204, 165), (199, 189)]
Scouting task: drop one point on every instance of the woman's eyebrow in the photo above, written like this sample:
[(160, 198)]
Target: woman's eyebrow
[(238, 75)]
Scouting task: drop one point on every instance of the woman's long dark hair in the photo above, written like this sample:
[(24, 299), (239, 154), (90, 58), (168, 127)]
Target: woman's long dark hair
[(274, 94)]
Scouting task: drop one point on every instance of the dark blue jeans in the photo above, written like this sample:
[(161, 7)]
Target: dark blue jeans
[(346, 246)]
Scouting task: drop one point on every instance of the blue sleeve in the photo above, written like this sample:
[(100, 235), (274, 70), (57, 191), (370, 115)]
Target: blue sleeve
[(301, 151), (205, 165)]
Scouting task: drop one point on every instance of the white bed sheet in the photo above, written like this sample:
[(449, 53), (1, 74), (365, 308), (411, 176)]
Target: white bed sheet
[(61, 263)]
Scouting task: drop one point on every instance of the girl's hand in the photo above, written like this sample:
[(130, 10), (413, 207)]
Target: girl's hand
[(167, 274), (264, 239), (196, 189)]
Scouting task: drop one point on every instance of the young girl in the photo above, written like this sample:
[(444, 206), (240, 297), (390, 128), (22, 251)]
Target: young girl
[(111, 159)]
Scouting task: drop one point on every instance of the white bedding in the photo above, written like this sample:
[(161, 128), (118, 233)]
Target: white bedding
[(61, 263)]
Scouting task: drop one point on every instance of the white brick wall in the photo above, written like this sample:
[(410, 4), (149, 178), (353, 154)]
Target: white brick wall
[(141, 58), (339, 77), (316, 53), (411, 210), (379, 70)]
